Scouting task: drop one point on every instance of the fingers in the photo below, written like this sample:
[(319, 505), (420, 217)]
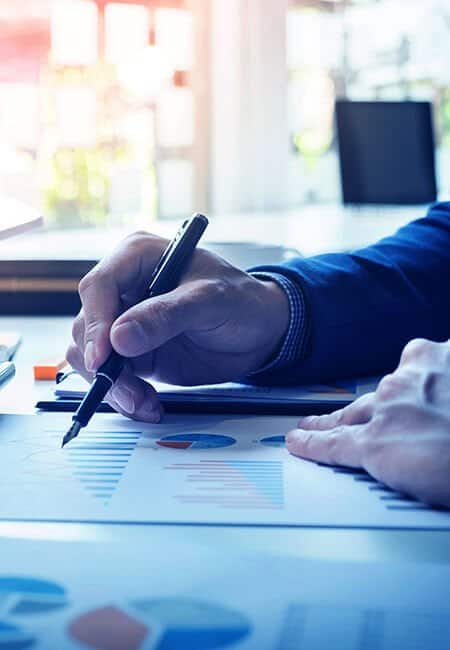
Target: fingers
[(101, 303), (194, 306), (358, 412), (136, 398), (130, 395), (340, 446), (122, 275), (334, 439), (401, 383), (74, 357), (78, 331)]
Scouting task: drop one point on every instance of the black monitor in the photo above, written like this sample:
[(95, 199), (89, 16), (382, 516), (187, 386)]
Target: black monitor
[(386, 152)]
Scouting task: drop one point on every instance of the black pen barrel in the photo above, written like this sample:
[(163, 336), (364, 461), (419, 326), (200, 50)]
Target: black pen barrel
[(112, 367), (99, 387)]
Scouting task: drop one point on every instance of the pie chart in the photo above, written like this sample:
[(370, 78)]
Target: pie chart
[(24, 596), (13, 638), (273, 441), (167, 623), (30, 595), (196, 441)]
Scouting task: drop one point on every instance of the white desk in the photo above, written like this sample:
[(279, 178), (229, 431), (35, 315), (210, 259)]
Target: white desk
[(52, 334), (310, 229)]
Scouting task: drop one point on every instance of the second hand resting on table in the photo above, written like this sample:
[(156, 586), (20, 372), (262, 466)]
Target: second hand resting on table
[(222, 324), (400, 434)]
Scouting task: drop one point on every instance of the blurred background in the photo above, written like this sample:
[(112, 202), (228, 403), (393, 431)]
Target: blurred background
[(115, 113)]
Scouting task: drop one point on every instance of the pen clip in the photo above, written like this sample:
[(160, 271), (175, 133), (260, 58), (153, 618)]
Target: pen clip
[(169, 249), (62, 376)]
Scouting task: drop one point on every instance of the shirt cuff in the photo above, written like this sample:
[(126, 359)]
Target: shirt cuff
[(294, 345)]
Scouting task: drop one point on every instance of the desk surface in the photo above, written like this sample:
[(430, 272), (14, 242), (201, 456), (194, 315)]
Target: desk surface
[(310, 229), (42, 335)]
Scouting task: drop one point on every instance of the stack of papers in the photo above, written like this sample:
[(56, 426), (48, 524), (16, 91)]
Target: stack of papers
[(202, 469), (341, 393)]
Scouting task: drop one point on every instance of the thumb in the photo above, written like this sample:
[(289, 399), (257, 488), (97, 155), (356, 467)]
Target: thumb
[(153, 322)]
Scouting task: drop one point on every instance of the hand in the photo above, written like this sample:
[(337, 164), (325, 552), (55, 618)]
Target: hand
[(400, 434), (219, 324)]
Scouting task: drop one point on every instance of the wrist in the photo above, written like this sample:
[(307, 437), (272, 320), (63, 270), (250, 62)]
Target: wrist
[(276, 312), (290, 347)]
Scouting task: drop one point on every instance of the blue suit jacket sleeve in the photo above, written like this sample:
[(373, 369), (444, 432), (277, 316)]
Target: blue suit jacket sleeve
[(364, 306)]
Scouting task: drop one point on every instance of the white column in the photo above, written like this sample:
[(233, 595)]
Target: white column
[(249, 132)]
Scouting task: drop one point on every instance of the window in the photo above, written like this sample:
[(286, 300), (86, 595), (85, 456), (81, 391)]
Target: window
[(166, 106), (98, 109), (360, 50)]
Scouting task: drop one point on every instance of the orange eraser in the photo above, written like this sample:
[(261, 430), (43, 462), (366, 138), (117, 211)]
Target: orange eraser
[(47, 369)]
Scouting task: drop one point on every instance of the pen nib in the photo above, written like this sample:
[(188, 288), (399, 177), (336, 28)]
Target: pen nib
[(71, 434)]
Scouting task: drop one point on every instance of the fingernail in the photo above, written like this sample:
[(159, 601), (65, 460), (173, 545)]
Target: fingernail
[(90, 357), (152, 413), (124, 399), (129, 338)]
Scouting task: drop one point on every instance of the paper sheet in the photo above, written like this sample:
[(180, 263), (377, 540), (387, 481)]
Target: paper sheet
[(174, 596), (190, 469), (345, 391)]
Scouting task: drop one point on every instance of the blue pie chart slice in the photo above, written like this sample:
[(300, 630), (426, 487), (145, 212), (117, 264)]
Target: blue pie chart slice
[(196, 441), (193, 624), (273, 441), (13, 638), (31, 595)]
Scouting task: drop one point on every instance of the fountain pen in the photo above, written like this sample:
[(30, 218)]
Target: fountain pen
[(165, 277)]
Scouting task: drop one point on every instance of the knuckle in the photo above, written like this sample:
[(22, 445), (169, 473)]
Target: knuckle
[(88, 281), (136, 241), (389, 387), (219, 289), (141, 242), (416, 349), (208, 291), (394, 385), (138, 234)]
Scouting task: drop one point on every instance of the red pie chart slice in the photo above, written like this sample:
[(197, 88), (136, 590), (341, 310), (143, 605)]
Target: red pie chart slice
[(109, 628), (173, 444)]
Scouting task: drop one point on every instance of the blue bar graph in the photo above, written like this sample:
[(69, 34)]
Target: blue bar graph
[(99, 460)]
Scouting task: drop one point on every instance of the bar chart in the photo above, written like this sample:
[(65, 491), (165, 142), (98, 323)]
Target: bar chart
[(254, 484), (100, 458)]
